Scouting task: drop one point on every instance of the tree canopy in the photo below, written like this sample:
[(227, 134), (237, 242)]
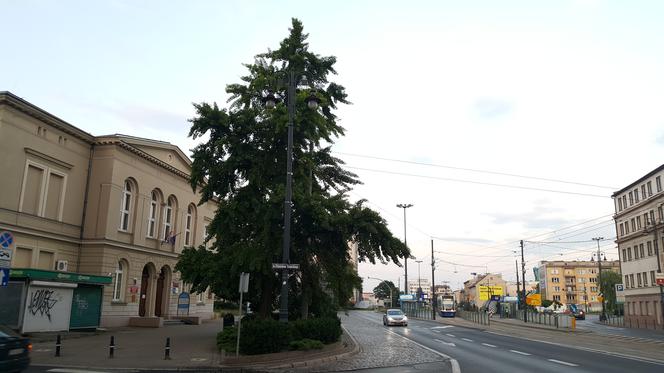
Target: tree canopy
[(241, 166)]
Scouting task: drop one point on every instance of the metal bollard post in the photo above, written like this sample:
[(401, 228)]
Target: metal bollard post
[(111, 348), (57, 346), (167, 349)]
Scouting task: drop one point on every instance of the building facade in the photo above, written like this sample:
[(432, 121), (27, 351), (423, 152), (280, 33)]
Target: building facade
[(639, 222), (115, 206), (413, 285), (478, 290), (574, 282)]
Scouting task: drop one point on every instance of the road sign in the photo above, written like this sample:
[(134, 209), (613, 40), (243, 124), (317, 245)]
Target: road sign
[(659, 278), (620, 287), (285, 266), (244, 282), (534, 299), (6, 240), (4, 276)]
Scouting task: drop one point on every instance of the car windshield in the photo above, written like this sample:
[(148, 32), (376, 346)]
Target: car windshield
[(394, 312), (6, 332)]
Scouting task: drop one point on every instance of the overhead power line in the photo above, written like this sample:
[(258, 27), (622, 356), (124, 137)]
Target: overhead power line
[(477, 170), (478, 182)]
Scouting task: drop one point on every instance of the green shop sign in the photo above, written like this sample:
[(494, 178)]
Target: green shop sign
[(40, 274)]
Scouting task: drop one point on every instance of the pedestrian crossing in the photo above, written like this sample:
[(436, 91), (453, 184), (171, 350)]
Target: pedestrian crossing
[(636, 339)]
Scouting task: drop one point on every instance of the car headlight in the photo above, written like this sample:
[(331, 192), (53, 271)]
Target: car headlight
[(390, 319), (405, 318)]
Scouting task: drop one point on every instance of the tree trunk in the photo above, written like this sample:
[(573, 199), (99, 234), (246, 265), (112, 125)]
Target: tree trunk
[(265, 307)]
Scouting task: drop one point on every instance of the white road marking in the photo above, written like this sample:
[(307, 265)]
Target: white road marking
[(450, 335), (520, 352), (443, 327), (467, 340), (563, 363), (488, 345), (445, 343), (61, 370), (437, 331)]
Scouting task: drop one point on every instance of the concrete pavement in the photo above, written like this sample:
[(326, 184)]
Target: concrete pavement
[(192, 347)]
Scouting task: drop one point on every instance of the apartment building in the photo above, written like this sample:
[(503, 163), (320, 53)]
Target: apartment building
[(639, 220), (574, 281), (116, 207), (413, 285), (482, 287)]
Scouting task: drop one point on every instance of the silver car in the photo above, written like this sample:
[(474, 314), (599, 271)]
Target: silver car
[(394, 316)]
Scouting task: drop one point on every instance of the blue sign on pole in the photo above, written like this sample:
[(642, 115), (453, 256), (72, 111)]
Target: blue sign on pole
[(4, 276)]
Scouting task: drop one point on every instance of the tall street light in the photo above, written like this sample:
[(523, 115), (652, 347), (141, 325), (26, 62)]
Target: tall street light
[(271, 102), (385, 282), (602, 316), (419, 279), (404, 206)]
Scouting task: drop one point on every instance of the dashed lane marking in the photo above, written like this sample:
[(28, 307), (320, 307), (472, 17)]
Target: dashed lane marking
[(563, 363), (467, 340), (450, 335), (488, 345), (443, 327), (62, 370), (520, 352)]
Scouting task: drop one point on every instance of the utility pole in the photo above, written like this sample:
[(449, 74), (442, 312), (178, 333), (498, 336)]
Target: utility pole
[(419, 279), (516, 265), (433, 285), (523, 279), (602, 316)]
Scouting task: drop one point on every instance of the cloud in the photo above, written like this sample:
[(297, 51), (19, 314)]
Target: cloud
[(491, 108), (539, 217), (660, 139), (477, 240), (141, 116)]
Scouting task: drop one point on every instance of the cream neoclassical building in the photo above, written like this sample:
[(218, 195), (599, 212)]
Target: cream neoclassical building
[(117, 207)]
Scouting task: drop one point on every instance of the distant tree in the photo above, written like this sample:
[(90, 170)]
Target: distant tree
[(386, 289), (609, 280)]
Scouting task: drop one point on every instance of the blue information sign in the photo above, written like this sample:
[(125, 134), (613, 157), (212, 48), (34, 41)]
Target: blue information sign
[(4, 276)]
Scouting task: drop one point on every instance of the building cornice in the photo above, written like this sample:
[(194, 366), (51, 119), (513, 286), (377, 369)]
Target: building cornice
[(638, 181), (23, 106)]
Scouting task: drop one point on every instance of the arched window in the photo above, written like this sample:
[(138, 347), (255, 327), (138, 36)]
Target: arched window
[(152, 217), (118, 284), (125, 208), (169, 229), (189, 226)]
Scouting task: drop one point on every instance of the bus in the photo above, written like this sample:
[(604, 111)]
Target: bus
[(446, 306)]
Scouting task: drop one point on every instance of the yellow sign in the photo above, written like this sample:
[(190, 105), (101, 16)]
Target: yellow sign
[(487, 291), (600, 298), (534, 299)]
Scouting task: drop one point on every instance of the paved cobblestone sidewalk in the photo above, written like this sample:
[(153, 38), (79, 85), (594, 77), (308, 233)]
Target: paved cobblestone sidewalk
[(381, 349)]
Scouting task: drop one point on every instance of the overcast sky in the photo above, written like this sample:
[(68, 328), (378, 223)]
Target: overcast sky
[(565, 91)]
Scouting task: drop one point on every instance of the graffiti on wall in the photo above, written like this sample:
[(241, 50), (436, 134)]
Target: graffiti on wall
[(42, 302)]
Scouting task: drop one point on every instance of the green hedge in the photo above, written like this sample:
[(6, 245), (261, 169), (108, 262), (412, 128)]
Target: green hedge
[(262, 336), (324, 329), (306, 344)]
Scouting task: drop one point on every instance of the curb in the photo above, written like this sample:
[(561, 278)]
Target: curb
[(561, 330)]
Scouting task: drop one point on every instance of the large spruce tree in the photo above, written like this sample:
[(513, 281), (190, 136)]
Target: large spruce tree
[(242, 166)]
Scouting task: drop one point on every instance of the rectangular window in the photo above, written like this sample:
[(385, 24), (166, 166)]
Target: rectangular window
[(555, 280), (23, 258), (124, 211), (644, 275), (641, 252), (649, 188), (620, 207), (631, 280), (626, 281), (643, 191), (638, 279), (636, 195), (32, 190), (152, 219), (633, 221), (624, 255), (45, 260), (624, 199), (652, 216), (636, 252), (660, 209), (649, 245), (631, 198), (626, 227), (187, 231), (646, 221), (556, 298), (653, 281), (629, 253), (658, 183), (54, 194), (638, 222), (622, 229), (593, 289)]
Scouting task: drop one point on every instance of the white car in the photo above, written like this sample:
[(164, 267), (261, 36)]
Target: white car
[(394, 316)]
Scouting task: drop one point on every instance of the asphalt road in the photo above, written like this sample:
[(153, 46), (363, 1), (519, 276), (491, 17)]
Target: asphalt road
[(480, 351), (591, 323)]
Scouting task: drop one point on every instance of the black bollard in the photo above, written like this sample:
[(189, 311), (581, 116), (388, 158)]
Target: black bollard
[(167, 350), (111, 348), (57, 346)]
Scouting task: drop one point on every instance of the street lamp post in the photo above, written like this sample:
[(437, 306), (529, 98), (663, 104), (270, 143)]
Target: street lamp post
[(270, 102), (602, 316), (419, 279), (385, 282), (404, 206)]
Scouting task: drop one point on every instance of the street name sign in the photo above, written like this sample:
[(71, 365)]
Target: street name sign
[(285, 266)]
